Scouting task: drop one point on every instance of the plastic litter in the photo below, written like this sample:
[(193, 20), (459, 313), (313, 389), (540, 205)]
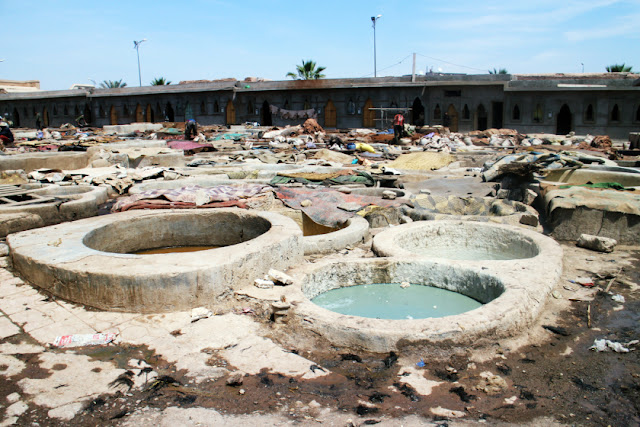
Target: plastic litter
[(606, 345), (79, 340), (617, 298), (421, 364)]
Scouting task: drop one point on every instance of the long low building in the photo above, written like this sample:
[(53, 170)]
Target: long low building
[(603, 103)]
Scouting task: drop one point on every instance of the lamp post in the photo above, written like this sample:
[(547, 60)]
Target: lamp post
[(375, 68), (136, 46)]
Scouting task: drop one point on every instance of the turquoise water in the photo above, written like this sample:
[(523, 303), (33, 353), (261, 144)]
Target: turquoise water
[(390, 301)]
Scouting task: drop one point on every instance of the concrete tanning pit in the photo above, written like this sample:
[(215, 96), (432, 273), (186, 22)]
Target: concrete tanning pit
[(52, 204), (482, 209), (320, 239), (461, 240), (89, 261), (509, 302)]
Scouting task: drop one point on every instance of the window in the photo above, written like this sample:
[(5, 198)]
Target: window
[(588, 114), (537, 114), (250, 107), (26, 114), (437, 113), (216, 107), (76, 112), (55, 110), (452, 93), (286, 105), (466, 114), (515, 115), (307, 105), (102, 112), (66, 110), (203, 107), (125, 111), (615, 113)]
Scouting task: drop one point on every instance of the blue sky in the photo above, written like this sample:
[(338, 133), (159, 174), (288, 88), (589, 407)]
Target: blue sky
[(66, 41)]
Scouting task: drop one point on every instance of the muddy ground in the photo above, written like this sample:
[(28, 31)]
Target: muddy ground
[(545, 376)]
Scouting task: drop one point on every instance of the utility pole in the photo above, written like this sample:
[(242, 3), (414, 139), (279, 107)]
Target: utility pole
[(375, 68), (136, 46)]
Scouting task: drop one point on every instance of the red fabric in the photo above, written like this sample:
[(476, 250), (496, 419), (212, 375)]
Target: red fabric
[(4, 138), (398, 120)]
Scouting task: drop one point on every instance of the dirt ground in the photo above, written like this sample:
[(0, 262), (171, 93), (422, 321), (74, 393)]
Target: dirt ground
[(545, 376)]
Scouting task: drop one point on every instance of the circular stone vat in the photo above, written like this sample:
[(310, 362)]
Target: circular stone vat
[(56, 203), (510, 301), (482, 209), (328, 240), (467, 241), (89, 261)]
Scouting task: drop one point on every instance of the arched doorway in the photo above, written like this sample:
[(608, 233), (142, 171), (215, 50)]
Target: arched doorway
[(169, 115), (452, 118), (481, 118), (188, 112), (368, 115), (16, 118), (87, 114), (417, 113), (265, 114), (231, 113), (149, 116), (330, 115), (563, 125), (113, 115), (139, 116), (45, 117)]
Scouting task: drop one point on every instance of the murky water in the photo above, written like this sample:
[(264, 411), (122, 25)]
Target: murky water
[(391, 301), (173, 249)]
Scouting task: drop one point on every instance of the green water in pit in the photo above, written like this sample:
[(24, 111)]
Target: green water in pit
[(391, 301)]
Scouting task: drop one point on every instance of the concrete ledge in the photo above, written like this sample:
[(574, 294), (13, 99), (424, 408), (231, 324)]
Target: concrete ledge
[(124, 129), (71, 261), (32, 161)]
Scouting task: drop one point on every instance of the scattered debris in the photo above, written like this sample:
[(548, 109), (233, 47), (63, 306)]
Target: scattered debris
[(606, 345), (597, 243), (80, 340)]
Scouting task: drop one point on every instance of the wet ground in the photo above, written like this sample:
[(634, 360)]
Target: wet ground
[(553, 375)]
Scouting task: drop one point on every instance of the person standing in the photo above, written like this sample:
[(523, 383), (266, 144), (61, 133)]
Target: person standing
[(398, 127), (190, 130), (38, 121)]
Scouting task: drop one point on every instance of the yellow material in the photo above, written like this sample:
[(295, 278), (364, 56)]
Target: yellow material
[(361, 146), (422, 161)]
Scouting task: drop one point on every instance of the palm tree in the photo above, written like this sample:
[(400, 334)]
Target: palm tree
[(500, 71), (160, 81), (619, 68), (112, 84), (307, 71)]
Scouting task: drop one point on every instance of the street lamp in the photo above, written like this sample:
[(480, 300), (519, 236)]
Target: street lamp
[(136, 46), (375, 68)]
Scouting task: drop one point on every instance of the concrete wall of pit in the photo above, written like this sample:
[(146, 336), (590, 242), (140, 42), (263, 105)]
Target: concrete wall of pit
[(59, 260)]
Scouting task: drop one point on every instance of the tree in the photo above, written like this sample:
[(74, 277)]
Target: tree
[(307, 71), (112, 84), (500, 71), (160, 81), (619, 68)]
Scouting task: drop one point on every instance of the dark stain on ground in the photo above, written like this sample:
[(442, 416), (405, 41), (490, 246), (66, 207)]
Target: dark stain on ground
[(580, 387)]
